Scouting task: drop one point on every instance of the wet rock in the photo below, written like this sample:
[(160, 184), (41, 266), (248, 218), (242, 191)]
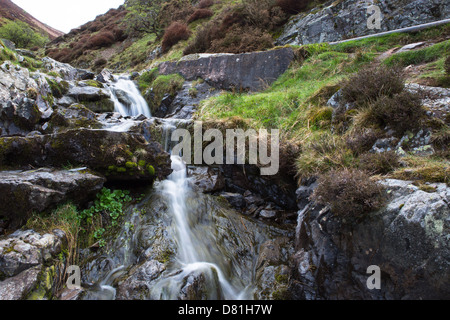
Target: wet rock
[(73, 117), (24, 192), (185, 102), (196, 287), (406, 239), (18, 287), (105, 76), (207, 179), (236, 200), (137, 286), (95, 99), (117, 155), (268, 214), (71, 294), (26, 249), (248, 71), (272, 271)]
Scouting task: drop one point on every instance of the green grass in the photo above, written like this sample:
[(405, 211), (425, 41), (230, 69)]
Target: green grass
[(296, 102), (282, 105), (428, 54), (135, 55)]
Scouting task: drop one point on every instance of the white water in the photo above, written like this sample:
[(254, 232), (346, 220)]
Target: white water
[(138, 105), (192, 252)]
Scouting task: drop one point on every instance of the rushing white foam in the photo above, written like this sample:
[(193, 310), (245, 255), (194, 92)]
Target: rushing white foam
[(137, 105), (191, 255)]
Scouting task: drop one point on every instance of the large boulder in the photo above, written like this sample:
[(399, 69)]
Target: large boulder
[(21, 193), (407, 240), (23, 100), (340, 20), (95, 99), (117, 155), (248, 71), (23, 256)]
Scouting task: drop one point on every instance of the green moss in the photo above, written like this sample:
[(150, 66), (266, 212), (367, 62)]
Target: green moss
[(151, 170), (162, 85), (7, 55), (146, 79), (121, 169), (58, 88), (141, 163), (94, 83), (282, 278), (131, 165)]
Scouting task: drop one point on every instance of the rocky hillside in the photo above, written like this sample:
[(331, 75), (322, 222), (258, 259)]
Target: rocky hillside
[(10, 11)]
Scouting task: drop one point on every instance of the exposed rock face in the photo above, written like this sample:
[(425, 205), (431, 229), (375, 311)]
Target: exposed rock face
[(21, 193), (206, 179), (137, 285), (185, 102), (408, 240), (340, 20), (249, 71), (22, 256), (95, 99), (117, 155)]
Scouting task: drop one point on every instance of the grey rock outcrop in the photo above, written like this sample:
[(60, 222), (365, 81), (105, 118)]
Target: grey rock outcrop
[(117, 155), (21, 193), (248, 71), (22, 258), (340, 20), (407, 240), (95, 99)]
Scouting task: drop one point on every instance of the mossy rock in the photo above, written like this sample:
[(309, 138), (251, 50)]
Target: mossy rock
[(99, 150)]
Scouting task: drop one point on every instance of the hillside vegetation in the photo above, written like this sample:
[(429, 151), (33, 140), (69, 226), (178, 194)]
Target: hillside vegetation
[(321, 138), (141, 33)]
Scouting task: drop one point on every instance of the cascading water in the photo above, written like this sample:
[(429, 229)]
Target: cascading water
[(206, 250), (128, 101), (194, 257)]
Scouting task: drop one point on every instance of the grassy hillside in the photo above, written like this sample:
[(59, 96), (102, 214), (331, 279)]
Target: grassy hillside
[(296, 104)]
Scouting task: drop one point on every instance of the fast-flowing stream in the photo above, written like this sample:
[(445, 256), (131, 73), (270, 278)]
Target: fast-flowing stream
[(177, 243), (128, 101)]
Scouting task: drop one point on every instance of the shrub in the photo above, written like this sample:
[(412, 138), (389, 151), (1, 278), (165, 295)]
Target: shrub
[(204, 38), (403, 111), (372, 82), (100, 40), (379, 163), (350, 193), (293, 6), (361, 140), (205, 4), (239, 40), (22, 34), (99, 63), (200, 14), (176, 32)]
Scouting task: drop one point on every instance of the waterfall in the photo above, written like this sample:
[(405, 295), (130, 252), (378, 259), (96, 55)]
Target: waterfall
[(127, 98), (201, 254), (193, 255)]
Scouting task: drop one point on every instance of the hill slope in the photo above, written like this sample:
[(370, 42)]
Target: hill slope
[(10, 11)]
